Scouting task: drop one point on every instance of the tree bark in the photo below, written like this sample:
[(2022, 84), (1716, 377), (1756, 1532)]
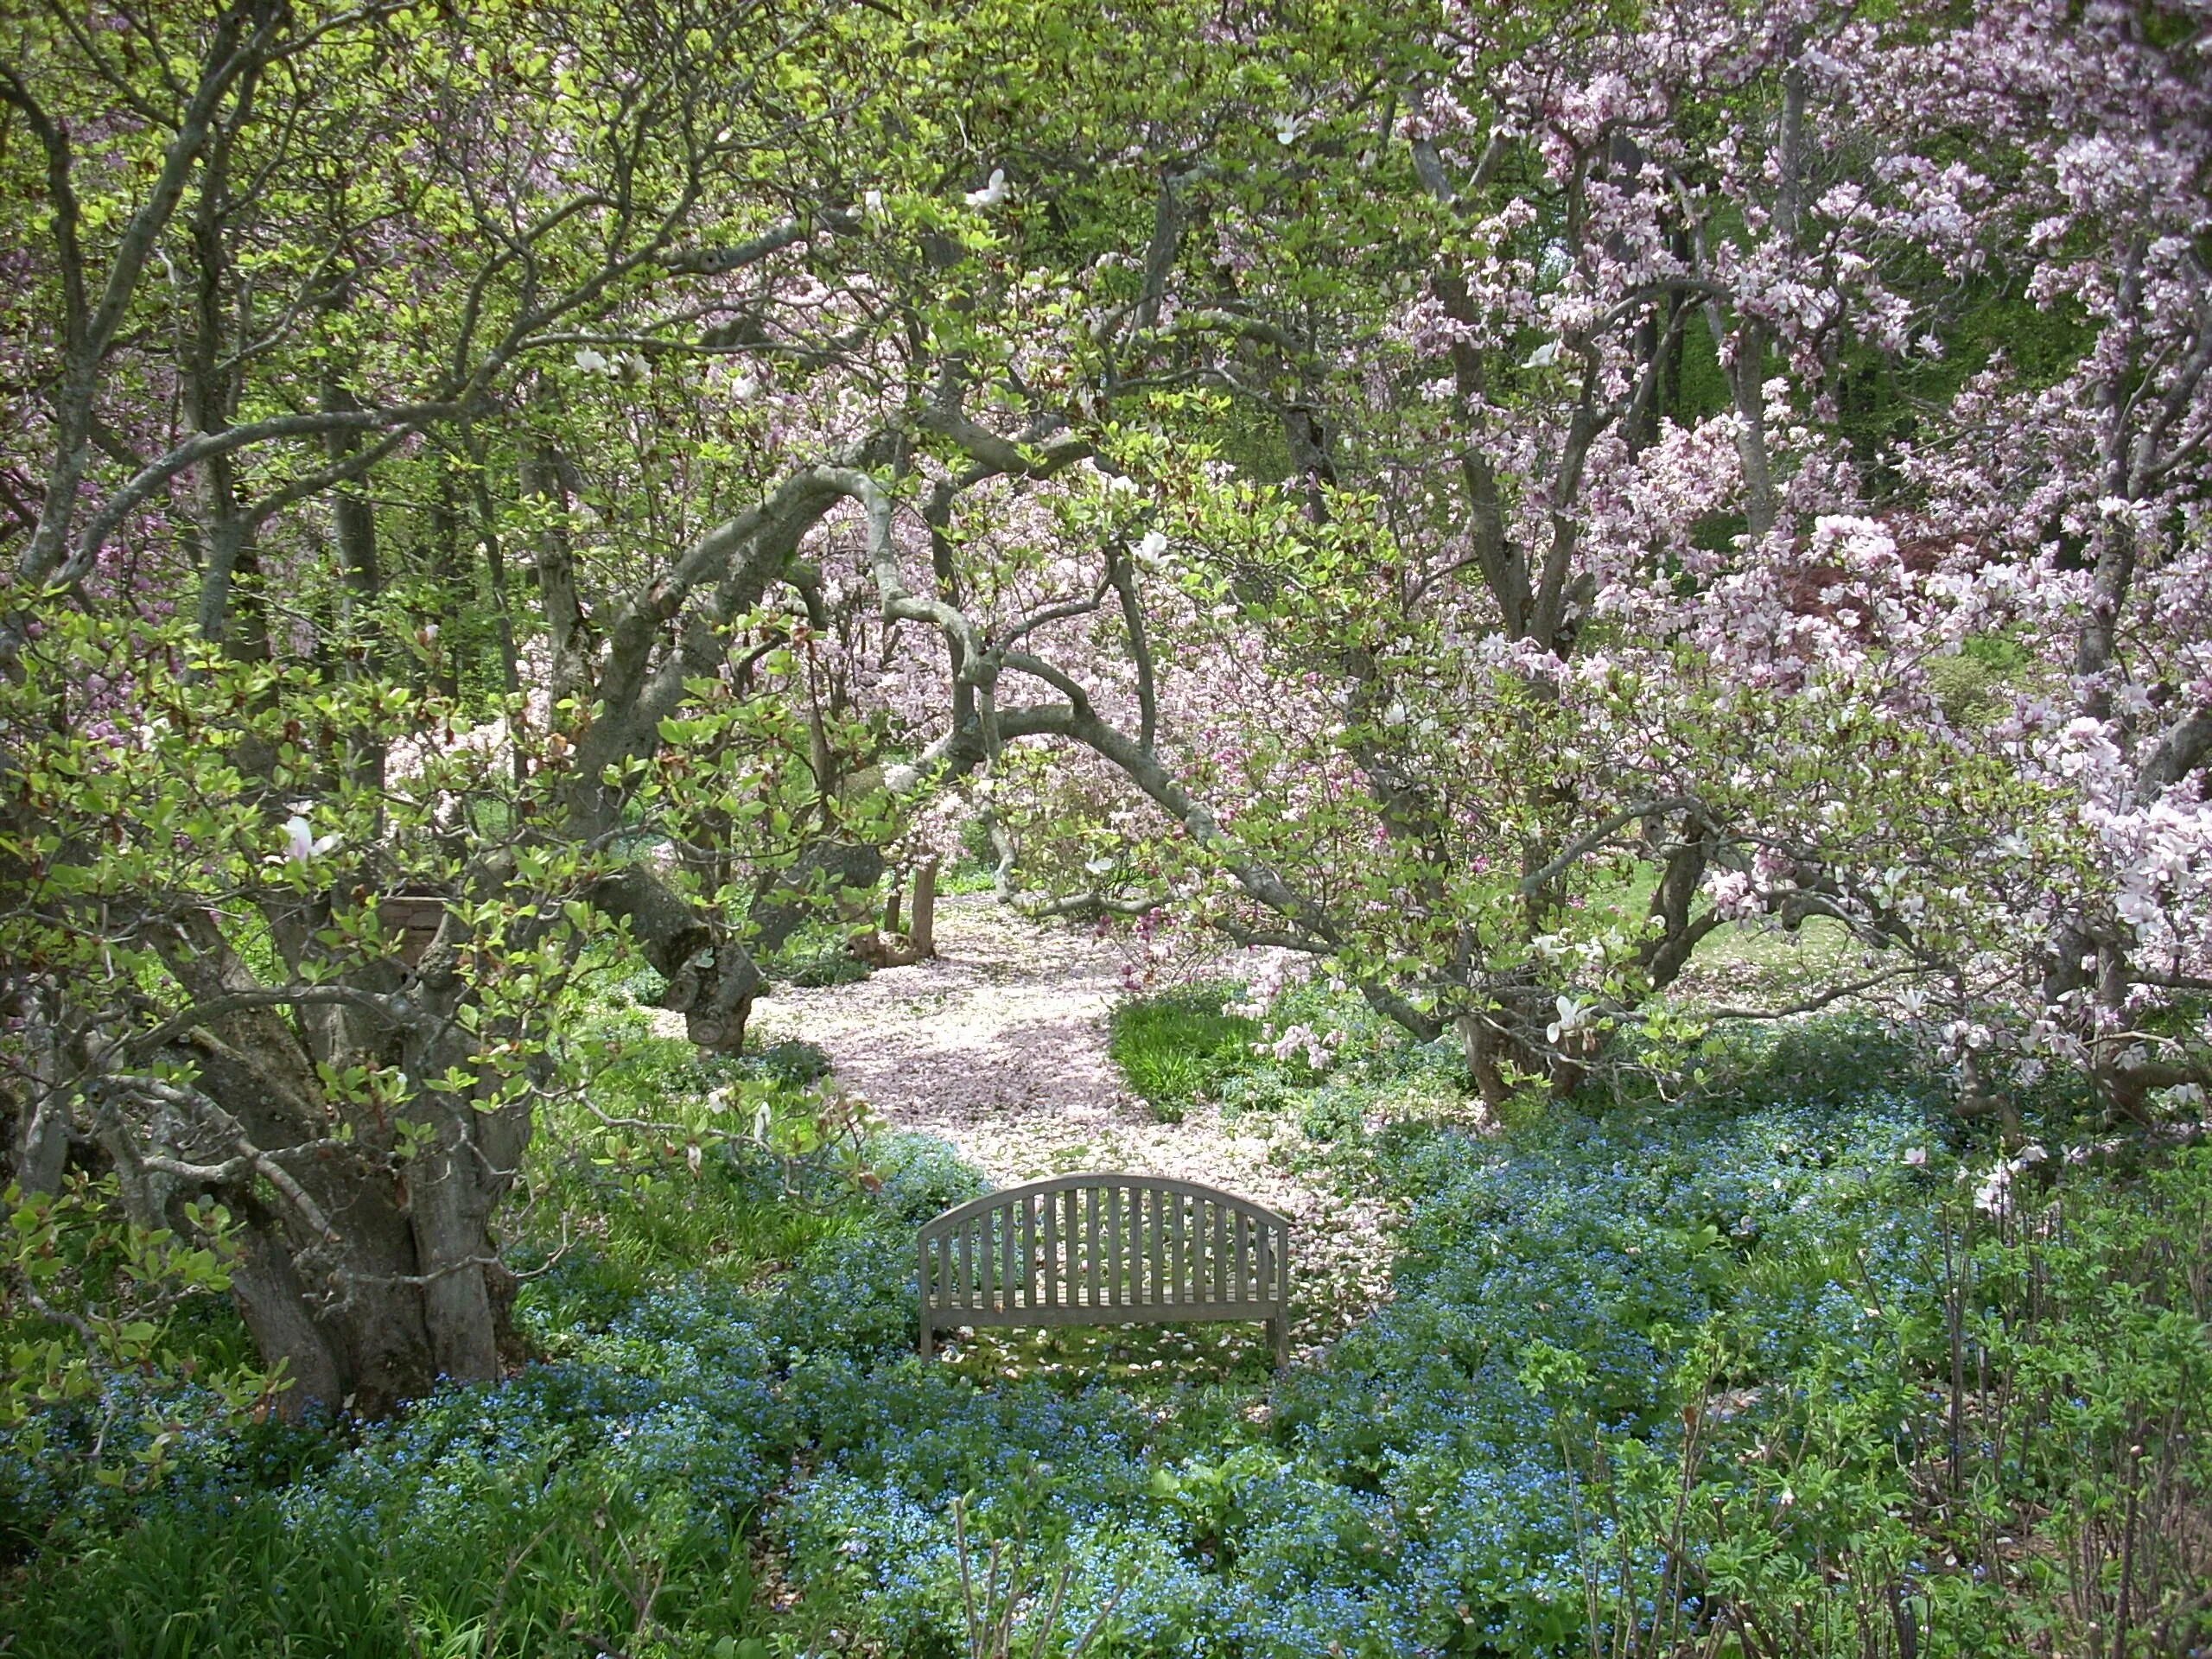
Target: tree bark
[(712, 980), (924, 932)]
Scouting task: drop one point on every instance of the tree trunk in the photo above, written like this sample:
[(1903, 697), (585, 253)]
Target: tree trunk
[(711, 978), (38, 1148), (393, 1289), (368, 1268), (274, 1305), (42, 1148), (783, 907), (923, 933), (1479, 1043)]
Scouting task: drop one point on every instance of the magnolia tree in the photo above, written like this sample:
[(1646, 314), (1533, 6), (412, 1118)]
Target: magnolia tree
[(1391, 734), (2077, 490), (477, 489), (1703, 496), (275, 279)]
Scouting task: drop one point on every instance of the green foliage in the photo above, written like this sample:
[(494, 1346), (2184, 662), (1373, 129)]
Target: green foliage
[(1179, 1048), (87, 1297), (818, 955), (594, 1502), (558, 1552), (2012, 1457), (669, 1160), (1973, 685), (979, 854)]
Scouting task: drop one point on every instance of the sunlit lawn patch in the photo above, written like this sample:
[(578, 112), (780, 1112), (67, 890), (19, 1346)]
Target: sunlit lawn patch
[(1177, 1048)]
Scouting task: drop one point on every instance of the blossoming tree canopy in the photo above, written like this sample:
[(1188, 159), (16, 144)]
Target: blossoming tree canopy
[(1486, 499)]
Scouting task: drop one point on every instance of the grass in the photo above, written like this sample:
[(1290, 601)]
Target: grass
[(1760, 964), (566, 1564), (965, 878), (1176, 1050)]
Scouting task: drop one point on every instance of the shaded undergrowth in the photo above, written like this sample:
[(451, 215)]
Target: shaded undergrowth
[(1752, 1376)]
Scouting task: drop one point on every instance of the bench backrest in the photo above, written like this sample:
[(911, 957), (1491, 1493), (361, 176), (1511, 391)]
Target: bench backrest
[(1102, 1244)]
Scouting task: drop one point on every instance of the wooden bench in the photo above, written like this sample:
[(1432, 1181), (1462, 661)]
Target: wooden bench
[(1105, 1249)]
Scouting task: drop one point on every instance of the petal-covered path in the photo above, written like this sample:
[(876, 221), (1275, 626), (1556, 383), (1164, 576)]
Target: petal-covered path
[(999, 1046)]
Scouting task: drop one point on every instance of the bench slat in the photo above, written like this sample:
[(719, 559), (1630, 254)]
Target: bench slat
[(1072, 1230), (1104, 1249), (1053, 1272), (1132, 1247), (1220, 1291), (1133, 1216), (1176, 1263), (1090, 1247), (1115, 1288), (1225, 1237), (1202, 1244), (1156, 1235), (1201, 1249)]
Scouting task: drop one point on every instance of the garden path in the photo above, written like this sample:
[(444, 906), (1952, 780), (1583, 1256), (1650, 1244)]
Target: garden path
[(998, 1046)]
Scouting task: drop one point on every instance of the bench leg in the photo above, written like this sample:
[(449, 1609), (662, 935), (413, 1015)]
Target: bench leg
[(1279, 1339), (929, 1338)]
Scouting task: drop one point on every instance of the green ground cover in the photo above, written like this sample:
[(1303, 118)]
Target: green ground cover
[(1178, 1048), (1746, 1375)]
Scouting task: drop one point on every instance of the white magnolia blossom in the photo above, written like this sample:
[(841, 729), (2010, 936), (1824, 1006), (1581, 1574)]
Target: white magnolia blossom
[(1993, 1197), (301, 842), (1572, 1016)]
